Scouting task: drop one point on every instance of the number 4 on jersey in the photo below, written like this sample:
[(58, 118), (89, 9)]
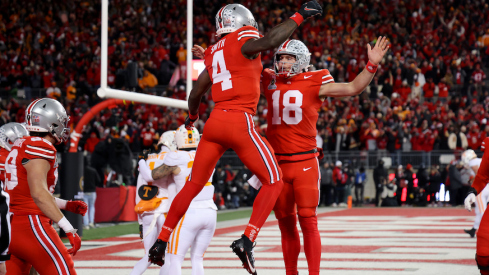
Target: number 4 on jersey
[(223, 77), (288, 107)]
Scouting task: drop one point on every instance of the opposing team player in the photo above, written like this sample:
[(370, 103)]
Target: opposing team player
[(470, 158), (233, 67), (31, 175), (480, 182), (152, 201), (294, 95), (9, 133), (197, 226)]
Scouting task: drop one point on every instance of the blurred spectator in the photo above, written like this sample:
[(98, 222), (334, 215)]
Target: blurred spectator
[(429, 90), (379, 173), (53, 91), (360, 180), (456, 182), (327, 188), (91, 180), (339, 181), (389, 191), (147, 81), (435, 181)]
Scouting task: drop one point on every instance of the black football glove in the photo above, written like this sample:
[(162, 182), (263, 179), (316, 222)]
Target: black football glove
[(143, 155), (310, 9), (189, 123), (157, 253)]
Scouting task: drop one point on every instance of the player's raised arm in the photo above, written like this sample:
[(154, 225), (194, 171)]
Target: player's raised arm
[(362, 80), (200, 87), (281, 32)]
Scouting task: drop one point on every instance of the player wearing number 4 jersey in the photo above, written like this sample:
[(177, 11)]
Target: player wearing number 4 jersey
[(233, 68), (31, 174)]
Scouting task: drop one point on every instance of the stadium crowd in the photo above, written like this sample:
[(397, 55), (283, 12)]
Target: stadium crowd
[(430, 93)]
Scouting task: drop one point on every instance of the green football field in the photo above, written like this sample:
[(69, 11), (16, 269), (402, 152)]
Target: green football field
[(107, 231)]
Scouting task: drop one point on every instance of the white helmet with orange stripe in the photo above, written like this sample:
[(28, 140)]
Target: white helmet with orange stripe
[(302, 58), (468, 155), (168, 139), (233, 17), (187, 139), (47, 115)]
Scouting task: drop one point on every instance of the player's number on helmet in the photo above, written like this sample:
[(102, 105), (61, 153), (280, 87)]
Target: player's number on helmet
[(291, 112), (220, 73)]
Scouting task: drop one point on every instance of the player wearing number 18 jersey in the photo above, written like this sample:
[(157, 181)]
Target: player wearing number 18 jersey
[(233, 68), (294, 96)]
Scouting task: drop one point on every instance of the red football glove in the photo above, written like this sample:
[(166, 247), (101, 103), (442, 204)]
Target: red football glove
[(77, 207), (75, 242)]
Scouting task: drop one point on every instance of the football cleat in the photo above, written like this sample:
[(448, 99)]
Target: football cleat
[(243, 248), (471, 232)]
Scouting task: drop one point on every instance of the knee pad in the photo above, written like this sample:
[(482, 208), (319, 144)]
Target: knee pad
[(482, 264), (307, 212)]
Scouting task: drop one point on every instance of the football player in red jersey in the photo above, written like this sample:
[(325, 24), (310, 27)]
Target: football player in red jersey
[(294, 96), (233, 67), (480, 181), (9, 133), (31, 174)]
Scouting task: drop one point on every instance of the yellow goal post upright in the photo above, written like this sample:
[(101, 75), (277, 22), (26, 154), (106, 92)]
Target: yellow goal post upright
[(105, 92)]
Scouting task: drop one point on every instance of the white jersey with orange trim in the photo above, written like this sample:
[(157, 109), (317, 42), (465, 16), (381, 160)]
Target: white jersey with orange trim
[(153, 161), (197, 226), (185, 160)]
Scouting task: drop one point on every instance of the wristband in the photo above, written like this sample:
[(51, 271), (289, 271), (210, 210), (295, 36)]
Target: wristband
[(371, 67), (66, 225), (61, 203), (297, 17), (193, 117)]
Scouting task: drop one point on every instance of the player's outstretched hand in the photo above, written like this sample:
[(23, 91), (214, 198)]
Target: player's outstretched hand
[(310, 9), (143, 155), (75, 242), (156, 253), (376, 53), (198, 51), (470, 199), (77, 207)]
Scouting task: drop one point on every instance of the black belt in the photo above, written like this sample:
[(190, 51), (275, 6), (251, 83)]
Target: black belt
[(315, 150)]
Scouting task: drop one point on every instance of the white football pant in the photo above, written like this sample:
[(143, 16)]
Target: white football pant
[(195, 230), (149, 239)]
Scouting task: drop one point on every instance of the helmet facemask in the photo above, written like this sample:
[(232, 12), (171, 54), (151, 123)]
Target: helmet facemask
[(302, 58)]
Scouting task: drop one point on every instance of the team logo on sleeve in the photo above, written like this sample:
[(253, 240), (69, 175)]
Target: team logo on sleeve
[(272, 85)]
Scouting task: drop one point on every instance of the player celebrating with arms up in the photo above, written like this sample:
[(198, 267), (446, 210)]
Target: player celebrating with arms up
[(31, 176), (294, 96), (233, 67)]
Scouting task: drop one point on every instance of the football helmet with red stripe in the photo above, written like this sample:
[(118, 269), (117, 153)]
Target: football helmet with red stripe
[(48, 115), (302, 57), (10, 132), (233, 17)]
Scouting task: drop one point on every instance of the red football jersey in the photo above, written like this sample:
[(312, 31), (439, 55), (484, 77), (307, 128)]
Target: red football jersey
[(235, 79), (293, 105), (25, 149), (3, 156)]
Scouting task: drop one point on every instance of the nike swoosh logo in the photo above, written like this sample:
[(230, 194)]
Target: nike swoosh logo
[(252, 269), (305, 169), (307, 9), (307, 76)]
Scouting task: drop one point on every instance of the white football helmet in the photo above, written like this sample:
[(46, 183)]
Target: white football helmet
[(186, 139), (47, 115), (168, 139), (233, 17), (468, 155), (302, 57), (10, 132)]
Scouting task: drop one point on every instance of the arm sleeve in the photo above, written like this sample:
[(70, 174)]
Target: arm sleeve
[(326, 77), (174, 159), (246, 33), (482, 177), (144, 171), (61, 203)]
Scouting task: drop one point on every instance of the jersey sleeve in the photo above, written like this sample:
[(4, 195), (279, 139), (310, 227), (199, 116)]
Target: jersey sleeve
[(246, 33), (265, 78), (482, 177), (326, 77), (175, 159), (38, 148)]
